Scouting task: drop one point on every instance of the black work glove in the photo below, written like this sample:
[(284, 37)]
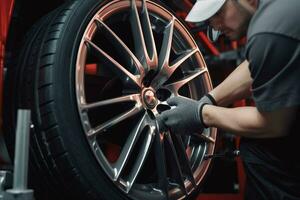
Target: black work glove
[(186, 117)]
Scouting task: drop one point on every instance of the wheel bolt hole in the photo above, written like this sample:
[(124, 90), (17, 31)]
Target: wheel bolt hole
[(162, 107), (163, 94)]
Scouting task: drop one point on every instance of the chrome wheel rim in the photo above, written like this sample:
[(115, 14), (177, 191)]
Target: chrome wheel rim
[(132, 57)]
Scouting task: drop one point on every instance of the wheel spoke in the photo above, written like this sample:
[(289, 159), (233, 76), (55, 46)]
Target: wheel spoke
[(128, 98), (181, 59), (101, 157), (178, 172), (166, 72), (116, 120), (118, 68), (122, 47), (165, 51), (174, 87), (149, 39), (129, 144), (138, 36), (160, 162), (184, 159), (141, 158)]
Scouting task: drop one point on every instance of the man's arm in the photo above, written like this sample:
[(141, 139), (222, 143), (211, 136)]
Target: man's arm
[(248, 121), (244, 121), (235, 87)]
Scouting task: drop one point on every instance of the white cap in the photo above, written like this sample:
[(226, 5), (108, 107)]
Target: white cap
[(204, 9)]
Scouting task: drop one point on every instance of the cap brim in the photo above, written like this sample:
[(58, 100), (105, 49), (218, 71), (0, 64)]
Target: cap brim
[(203, 10)]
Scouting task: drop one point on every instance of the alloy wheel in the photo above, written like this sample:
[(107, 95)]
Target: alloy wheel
[(132, 57)]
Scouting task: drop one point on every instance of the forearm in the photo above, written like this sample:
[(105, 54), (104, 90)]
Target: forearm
[(244, 121), (236, 86)]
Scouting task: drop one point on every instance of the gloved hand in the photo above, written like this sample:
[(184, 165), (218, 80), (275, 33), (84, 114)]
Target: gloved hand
[(186, 117)]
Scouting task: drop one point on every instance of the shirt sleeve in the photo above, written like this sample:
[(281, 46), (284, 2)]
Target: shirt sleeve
[(275, 68)]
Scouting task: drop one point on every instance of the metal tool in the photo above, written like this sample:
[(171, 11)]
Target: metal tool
[(227, 154)]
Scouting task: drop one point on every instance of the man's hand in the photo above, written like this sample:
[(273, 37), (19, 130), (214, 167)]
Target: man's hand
[(186, 117)]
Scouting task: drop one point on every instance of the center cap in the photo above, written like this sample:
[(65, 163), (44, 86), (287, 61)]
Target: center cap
[(150, 98)]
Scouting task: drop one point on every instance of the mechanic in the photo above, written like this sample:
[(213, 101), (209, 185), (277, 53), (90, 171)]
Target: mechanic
[(270, 130)]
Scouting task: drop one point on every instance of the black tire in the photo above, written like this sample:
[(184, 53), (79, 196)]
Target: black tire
[(27, 87), (19, 94), (62, 164)]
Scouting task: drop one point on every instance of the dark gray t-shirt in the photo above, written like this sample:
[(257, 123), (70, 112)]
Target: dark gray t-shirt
[(276, 16), (273, 51)]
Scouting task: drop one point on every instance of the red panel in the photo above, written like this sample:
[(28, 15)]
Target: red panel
[(6, 8), (91, 69)]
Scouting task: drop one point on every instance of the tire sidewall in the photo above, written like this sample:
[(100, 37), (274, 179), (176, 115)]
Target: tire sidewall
[(66, 112)]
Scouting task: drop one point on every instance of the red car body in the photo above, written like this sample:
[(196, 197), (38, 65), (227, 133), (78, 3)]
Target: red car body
[(6, 9)]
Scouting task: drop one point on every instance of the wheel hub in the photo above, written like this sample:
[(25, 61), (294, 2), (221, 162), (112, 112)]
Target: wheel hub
[(149, 98)]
